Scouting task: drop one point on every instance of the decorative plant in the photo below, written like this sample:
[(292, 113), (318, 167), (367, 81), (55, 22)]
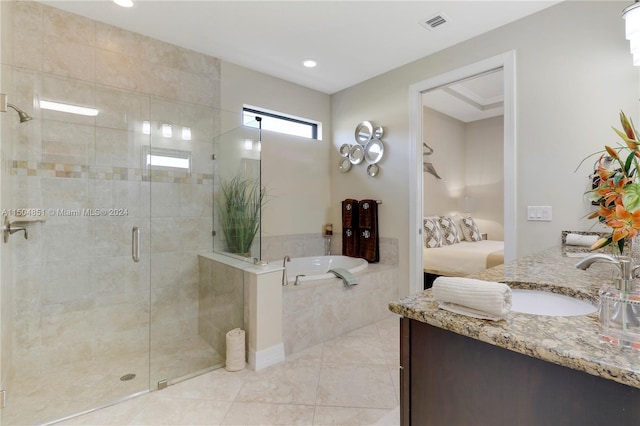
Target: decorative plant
[(617, 192), (240, 202)]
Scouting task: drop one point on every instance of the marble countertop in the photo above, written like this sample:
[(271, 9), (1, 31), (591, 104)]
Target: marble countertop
[(572, 342)]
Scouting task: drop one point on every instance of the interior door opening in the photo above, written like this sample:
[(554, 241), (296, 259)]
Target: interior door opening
[(504, 63)]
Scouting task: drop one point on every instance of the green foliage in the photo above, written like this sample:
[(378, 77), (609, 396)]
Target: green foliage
[(239, 204)]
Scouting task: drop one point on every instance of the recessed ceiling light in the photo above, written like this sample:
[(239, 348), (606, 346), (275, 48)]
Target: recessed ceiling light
[(309, 63), (124, 3)]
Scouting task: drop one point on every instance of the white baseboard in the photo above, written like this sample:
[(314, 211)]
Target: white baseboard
[(266, 357)]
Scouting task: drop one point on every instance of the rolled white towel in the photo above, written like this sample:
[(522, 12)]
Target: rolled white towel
[(581, 240), (475, 298), (235, 350)]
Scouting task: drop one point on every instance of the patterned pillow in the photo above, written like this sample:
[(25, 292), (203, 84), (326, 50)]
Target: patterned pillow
[(470, 229), (449, 231), (432, 234)]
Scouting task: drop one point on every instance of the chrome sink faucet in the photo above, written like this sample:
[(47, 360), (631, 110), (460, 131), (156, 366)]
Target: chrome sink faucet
[(619, 311), (284, 271), (624, 264)]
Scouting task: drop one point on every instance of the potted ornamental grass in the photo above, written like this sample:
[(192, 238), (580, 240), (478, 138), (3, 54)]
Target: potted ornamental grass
[(240, 203)]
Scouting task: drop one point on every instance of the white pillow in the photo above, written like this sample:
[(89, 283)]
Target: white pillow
[(457, 219), (470, 229), (432, 233), (449, 230)]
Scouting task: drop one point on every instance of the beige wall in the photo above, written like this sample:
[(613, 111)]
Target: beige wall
[(446, 136), (468, 157), (484, 175), (295, 170), (573, 75)]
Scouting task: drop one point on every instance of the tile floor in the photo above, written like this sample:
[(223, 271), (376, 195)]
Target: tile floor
[(75, 386), (350, 380)]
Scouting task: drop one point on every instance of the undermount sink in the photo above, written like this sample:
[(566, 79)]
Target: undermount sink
[(539, 302)]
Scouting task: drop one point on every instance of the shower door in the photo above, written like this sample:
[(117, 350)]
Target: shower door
[(181, 176), (76, 292)]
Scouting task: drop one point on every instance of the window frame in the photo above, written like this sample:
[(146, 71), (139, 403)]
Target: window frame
[(280, 116)]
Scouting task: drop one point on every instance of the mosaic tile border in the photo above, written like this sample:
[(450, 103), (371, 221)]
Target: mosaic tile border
[(82, 171)]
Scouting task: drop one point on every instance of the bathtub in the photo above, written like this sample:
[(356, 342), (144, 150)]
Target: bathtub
[(316, 267)]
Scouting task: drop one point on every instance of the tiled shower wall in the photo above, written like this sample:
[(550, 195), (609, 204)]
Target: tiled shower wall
[(77, 293)]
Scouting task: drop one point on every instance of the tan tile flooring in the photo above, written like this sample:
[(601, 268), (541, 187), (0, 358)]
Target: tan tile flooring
[(350, 380)]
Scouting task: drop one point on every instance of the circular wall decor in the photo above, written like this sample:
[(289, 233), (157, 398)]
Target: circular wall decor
[(344, 165), (356, 154), (374, 151), (364, 132)]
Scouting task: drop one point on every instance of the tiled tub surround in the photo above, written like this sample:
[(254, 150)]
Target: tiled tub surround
[(317, 311), (320, 310), (282, 320), (83, 313), (275, 248), (572, 342)]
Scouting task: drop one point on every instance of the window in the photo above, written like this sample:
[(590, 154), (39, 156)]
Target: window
[(281, 123), (166, 159)]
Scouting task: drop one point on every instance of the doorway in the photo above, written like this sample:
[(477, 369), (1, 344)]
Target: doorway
[(506, 63)]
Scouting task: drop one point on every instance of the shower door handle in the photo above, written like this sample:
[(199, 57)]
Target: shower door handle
[(135, 244)]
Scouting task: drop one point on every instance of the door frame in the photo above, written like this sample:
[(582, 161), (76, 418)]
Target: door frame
[(506, 61)]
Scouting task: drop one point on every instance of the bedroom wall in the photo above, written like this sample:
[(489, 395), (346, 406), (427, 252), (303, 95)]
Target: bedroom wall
[(468, 157), (446, 136), (484, 175)]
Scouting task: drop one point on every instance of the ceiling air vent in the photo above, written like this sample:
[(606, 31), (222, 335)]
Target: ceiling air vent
[(434, 22)]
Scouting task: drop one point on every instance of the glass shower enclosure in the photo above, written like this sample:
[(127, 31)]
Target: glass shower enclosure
[(101, 296)]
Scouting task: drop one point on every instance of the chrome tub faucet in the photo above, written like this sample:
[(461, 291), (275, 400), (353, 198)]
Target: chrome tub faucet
[(284, 271)]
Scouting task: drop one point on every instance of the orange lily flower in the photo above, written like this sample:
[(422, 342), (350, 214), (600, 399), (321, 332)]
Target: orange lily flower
[(624, 224), (602, 212), (610, 191)]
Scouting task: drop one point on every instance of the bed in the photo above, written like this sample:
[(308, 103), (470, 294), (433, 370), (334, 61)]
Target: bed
[(463, 258), (455, 247)]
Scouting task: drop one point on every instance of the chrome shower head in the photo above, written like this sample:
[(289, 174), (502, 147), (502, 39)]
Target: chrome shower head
[(23, 116)]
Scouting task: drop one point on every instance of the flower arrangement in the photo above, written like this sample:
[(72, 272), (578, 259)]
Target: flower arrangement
[(617, 189)]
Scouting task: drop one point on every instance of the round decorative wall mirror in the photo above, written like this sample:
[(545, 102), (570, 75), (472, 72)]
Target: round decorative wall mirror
[(344, 165), (356, 154), (374, 151), (364, 132)]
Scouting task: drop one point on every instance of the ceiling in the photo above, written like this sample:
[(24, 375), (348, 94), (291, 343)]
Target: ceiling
[(470, 100), (352, 41)]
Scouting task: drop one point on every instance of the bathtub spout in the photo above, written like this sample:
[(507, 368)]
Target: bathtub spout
[(284, 271), (327, 245)]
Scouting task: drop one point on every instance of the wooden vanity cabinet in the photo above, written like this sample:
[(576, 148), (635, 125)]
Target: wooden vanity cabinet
[(450, 379)]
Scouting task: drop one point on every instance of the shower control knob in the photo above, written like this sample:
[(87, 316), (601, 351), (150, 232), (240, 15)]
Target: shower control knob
[(7, 230)]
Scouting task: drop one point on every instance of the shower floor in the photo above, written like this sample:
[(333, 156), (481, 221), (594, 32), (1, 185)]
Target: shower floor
[(84, 386)]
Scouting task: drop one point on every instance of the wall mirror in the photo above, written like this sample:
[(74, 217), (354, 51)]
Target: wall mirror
[(374, 151), (356, 154), (364, 132)]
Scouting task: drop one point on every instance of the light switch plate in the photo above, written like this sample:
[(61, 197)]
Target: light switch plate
[(539, 213)]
